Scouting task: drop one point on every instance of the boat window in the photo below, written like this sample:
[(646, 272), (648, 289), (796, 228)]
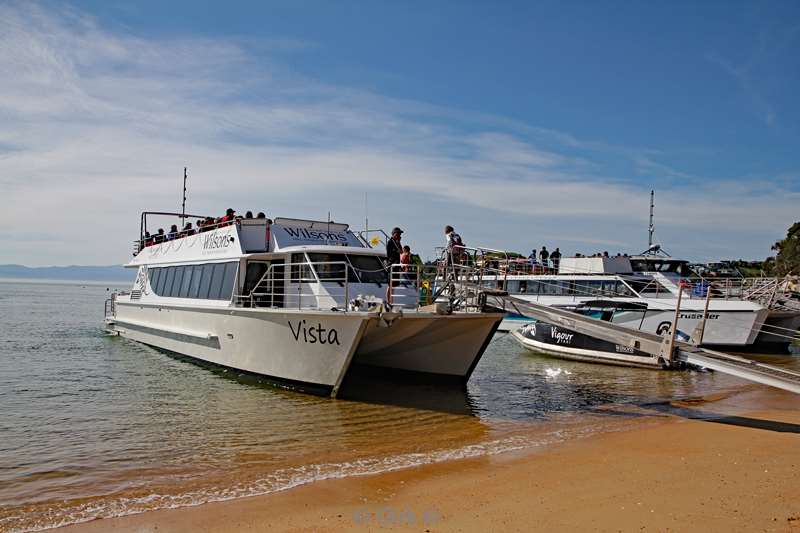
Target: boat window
[(624, 290), (176, 285), (587, 287), (205, 281), (648, 286), (660, 265), (187, 282), (523, 286), (255, 271), (154, 274), (331, 267), (369, 268), (552, 287), (609, 287), (169, 281), (228, 280), (301, 270), (162, 279), (197, 276), (512, 286), (216, 281)]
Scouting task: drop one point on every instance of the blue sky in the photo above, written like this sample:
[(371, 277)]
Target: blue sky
[(521, 124)]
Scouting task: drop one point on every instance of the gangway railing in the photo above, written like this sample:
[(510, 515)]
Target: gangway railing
[(665, 350)]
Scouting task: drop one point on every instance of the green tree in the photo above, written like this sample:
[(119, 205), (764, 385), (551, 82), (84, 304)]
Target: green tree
[(787, 259)]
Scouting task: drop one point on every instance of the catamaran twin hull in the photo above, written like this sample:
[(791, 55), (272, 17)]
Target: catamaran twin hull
[(312, 350)]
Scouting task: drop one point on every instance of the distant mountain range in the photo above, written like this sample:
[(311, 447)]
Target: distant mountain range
[(82, 273)]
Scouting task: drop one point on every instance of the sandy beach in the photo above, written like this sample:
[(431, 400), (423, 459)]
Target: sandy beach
[(674, 473)]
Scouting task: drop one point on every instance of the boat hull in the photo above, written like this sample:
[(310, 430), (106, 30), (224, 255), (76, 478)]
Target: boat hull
[(555, 341), (449, 346), (310, 350), (723, 327)]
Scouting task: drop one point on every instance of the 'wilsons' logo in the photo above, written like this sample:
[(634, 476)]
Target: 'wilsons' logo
[(310, 234), (214, 241), (314, 334)]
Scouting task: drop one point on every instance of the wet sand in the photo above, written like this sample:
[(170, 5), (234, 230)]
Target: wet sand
[(674, 473)]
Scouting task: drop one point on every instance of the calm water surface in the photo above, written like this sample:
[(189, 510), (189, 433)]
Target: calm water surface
[(95, 426)]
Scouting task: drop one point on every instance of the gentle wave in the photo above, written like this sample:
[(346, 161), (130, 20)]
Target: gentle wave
[(285, 479)]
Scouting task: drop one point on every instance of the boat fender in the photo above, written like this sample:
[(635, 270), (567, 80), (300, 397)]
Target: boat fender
[(386, 319)]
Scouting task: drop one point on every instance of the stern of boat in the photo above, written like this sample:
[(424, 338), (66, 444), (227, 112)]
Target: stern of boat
[(446, 347)]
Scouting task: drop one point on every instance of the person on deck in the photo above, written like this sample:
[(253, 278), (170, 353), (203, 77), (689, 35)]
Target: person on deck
[(405, 258), (394, 248), (173, 233), (248, 215), (532, 259), (544, 255), (555, 257), (160, 237), (454, 246), (230, 215)]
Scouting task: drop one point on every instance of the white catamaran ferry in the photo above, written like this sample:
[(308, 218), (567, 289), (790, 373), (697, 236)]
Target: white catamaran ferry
[(299, 302), (641, 292)]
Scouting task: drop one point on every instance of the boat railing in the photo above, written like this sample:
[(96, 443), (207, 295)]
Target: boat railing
[(767, 291), (110, 306), (309, 285), (161, 238), (446, 286)]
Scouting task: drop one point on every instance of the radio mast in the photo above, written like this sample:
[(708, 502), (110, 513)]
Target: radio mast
[(183, 205), (652, 227)]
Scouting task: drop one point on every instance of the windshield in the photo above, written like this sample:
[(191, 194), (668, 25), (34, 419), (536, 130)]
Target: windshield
[(648, 286), (660, 265), (369, 268), (363, 268)]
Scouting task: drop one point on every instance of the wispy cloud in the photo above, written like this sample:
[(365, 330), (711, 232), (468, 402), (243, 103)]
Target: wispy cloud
[(96, 126)]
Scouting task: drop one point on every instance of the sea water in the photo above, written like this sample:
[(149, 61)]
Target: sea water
[(96, 426)]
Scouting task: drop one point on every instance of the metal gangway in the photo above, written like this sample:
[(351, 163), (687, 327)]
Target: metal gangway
[(666, 350)]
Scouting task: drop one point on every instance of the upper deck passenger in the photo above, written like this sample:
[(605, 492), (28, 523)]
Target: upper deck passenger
[(230, 215)]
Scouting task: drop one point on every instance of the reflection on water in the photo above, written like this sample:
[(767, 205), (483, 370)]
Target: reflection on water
[(99, 426)]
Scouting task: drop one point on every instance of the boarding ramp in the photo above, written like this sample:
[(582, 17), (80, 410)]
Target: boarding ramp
[(666, 350)]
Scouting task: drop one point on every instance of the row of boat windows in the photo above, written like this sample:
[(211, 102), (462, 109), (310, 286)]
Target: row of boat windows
[(579, 287), (207, 282)]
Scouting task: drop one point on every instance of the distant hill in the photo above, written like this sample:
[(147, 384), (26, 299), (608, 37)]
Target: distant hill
[(82, 273)]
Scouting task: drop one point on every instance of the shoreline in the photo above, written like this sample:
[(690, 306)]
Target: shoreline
[(723, 473)]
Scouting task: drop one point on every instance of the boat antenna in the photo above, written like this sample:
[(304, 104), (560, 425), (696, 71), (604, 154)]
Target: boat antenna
[(183, 205), (652, 227)]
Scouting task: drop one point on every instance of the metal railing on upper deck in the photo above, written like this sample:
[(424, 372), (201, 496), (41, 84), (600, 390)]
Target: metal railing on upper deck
[(772, 292), (209, 224)]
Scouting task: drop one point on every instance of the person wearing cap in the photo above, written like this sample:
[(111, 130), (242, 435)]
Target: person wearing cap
[(229, 216), (394, 247)]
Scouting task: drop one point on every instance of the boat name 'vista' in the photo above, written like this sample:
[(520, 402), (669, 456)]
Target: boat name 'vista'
[(314, 335)]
